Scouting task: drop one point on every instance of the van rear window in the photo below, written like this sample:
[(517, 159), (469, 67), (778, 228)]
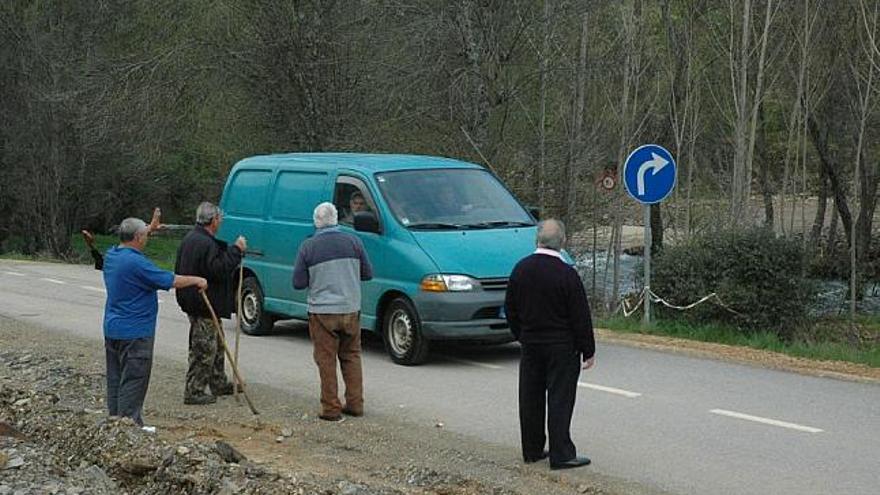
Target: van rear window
[(247, 193)]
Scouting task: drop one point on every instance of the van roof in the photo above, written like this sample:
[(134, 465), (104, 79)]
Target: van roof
[(366, 162)]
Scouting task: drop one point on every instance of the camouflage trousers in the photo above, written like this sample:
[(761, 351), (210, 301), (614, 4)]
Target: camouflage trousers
[(206, 359)]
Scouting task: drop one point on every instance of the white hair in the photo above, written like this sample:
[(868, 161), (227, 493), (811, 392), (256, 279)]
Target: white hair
[(551, 234), (206, 212), (131, 228), (325, 215)]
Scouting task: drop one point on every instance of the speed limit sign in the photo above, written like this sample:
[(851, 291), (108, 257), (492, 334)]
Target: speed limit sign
[(607, 181)]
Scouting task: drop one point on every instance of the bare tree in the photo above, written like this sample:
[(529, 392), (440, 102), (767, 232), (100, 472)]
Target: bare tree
[(747, 97)]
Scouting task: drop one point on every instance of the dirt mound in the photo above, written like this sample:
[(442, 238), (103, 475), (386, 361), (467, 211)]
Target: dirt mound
[(56, 440)]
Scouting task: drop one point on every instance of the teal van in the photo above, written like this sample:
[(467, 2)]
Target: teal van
[(443, 236)]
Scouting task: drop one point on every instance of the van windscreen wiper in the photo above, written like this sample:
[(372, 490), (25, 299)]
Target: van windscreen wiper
[(499, 223), (435, 226)]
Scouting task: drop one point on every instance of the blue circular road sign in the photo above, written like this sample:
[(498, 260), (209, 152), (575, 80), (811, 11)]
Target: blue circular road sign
[(649, 174)]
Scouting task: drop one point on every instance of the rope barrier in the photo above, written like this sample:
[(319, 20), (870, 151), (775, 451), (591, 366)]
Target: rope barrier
[(629, 310), (635, 307)]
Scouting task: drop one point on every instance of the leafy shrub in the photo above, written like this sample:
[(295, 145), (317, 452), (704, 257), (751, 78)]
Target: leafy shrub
[(754, 272)]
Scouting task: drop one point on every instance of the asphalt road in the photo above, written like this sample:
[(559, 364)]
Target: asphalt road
[(678, 423)]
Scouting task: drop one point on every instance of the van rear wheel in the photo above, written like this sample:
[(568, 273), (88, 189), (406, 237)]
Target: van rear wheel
[(254, 319), (402, 333)]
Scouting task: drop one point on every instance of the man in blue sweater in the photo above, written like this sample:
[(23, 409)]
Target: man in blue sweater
[(130, 317), (332, 264), (549, 315)]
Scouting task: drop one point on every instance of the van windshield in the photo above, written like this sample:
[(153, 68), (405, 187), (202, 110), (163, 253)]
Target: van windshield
[(447, 199)]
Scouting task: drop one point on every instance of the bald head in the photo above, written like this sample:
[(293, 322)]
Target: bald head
[(551, 234)]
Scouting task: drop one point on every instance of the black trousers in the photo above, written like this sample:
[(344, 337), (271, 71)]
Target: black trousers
[(129, 363), (548, 376)]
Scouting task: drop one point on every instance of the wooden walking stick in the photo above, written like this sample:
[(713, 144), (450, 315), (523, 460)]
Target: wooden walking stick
[(235, 372), (238, 317)]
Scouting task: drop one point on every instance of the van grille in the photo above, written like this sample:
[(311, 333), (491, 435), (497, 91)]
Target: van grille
[(494, 283), (488, 313)]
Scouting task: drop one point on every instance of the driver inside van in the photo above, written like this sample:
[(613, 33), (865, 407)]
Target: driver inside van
[(356, 203)]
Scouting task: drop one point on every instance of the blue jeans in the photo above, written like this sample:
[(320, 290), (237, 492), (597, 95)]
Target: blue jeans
[(128, 375)]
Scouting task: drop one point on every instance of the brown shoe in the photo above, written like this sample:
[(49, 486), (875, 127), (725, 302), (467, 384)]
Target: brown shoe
[(350, 411)]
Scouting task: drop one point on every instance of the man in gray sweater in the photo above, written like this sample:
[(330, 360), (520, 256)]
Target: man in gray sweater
[(331, 265)]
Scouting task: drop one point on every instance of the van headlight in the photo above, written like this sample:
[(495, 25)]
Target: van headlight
[(439, 282)]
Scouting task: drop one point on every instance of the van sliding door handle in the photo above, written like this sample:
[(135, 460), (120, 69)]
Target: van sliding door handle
[(253, 252)]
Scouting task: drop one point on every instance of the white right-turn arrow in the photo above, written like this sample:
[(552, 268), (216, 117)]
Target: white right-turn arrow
[(655, 164)]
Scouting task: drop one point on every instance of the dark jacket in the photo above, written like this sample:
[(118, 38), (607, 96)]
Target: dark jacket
[(203, 255), (546, 304)]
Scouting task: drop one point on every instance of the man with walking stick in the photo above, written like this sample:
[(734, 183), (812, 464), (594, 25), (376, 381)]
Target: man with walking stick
[(202, 254)]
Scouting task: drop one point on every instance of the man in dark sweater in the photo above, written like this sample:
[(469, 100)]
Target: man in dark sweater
[(203, 255), (549, 315)]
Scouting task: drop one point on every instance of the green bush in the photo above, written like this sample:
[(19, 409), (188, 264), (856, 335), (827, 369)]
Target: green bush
[(755, 273)]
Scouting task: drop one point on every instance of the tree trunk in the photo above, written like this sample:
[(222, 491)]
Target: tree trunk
[(542, 166), (576, 138), (831, 246), (821, 208), (820, 143), (756, 104), (739, 67), (764, 176), (656, 229)]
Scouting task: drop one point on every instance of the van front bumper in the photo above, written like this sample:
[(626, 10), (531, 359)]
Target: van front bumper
[(463, 316)]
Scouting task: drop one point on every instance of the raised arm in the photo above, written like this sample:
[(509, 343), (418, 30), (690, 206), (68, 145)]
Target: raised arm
[(96, 255)]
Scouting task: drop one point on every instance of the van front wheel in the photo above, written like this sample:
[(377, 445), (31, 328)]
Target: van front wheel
[(402, 333), (254, 319)]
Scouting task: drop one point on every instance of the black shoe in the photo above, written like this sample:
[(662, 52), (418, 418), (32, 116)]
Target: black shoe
[(571, 463), (199, 400), (225, 389), (333, 419), (535, 458)]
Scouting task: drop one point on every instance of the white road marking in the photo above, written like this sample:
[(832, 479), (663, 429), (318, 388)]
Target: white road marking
[(59, 282), (475, 363), (766, 421), (15, 274), (610, 390), (93, 289)]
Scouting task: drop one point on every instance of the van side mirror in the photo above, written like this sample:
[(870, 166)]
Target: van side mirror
[(366, 221), (535, 212)]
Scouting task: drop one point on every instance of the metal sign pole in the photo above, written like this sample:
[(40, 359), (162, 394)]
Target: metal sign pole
[(649, 176), (646, 318)]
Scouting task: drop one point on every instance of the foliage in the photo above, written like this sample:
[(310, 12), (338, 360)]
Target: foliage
[(754, 272), (822, 340), (110, 108)]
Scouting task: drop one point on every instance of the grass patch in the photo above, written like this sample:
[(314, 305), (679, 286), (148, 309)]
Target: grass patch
[(161, 249), (830, 339)]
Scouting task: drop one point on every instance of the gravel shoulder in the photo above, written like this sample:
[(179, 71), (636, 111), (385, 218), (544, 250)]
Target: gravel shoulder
[(55, 437)]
